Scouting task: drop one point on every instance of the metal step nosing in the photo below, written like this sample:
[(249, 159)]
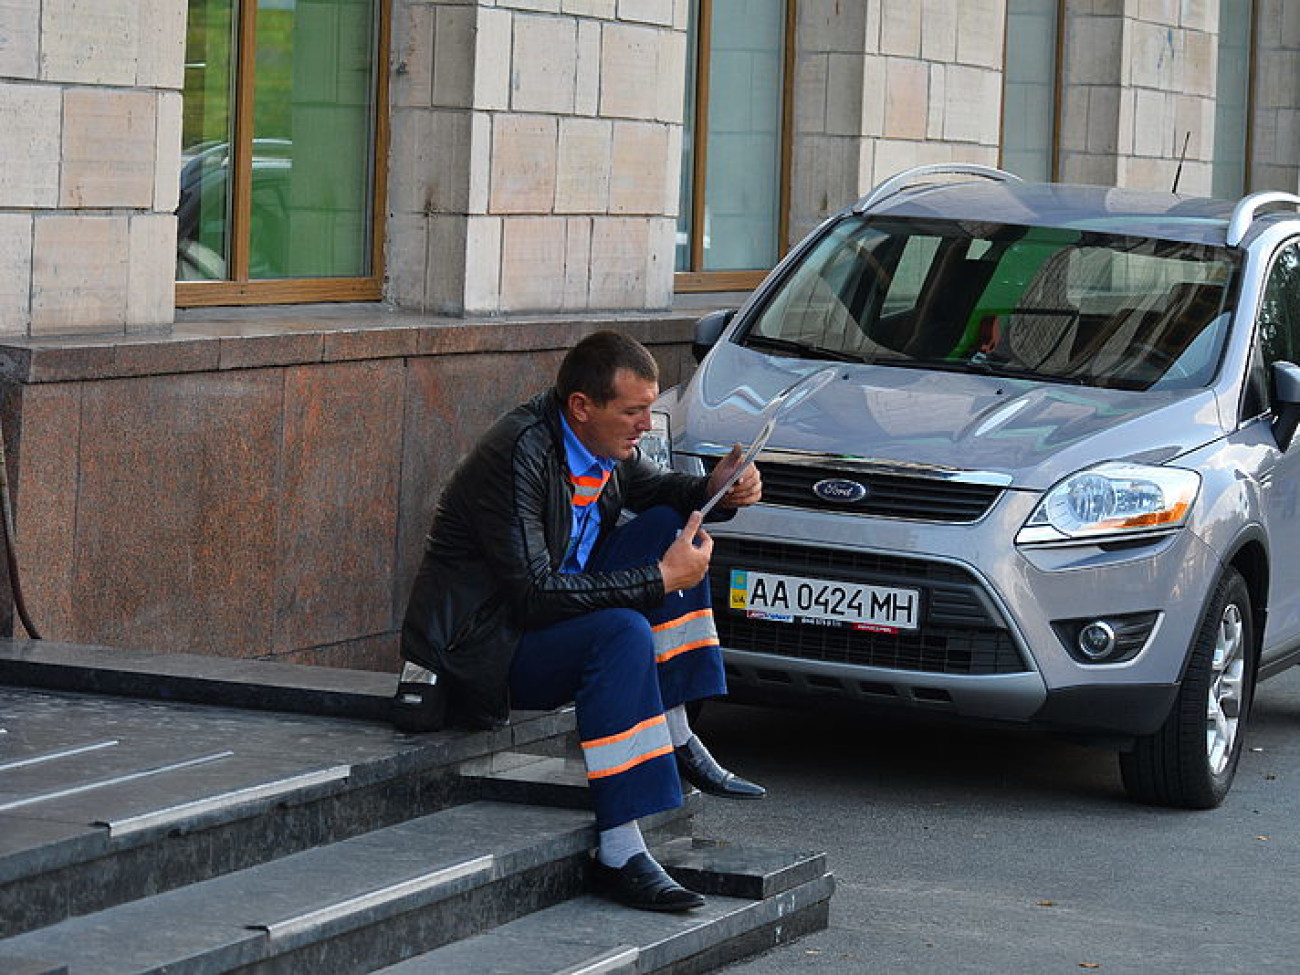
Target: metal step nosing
[(226, 800), (115, 780), (375, 898), (53, 756)]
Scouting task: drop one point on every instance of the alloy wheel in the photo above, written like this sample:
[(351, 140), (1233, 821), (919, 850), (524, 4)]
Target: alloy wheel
[(1227, 684)]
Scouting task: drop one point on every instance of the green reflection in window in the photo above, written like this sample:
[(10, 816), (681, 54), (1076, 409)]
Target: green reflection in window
[(313, 88), (203, 214), (312, 115)]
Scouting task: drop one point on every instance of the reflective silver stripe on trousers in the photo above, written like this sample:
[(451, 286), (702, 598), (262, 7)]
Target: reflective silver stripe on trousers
[(650, 737), (692, 632)]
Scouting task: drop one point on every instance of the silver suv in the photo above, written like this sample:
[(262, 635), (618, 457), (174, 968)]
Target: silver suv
[(1051, 481)]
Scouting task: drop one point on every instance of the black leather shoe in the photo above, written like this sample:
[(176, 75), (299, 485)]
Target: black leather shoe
[(701, 770), (643, 884)]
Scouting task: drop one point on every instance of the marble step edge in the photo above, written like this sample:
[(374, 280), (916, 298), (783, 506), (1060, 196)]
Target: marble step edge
[(555, 851), (10, 965), (524, 777), (736, 869), (434, 754), (588, 935), (322, 893), (226, 681)]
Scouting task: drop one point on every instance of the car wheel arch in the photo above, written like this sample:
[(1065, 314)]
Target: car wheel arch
[(1250, 558)]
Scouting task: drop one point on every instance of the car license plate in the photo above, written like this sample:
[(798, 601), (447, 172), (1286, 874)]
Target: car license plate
[(795, 599)]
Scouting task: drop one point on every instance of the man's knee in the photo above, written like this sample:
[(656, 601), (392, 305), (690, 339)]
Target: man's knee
[(662, 517), (622, 627), (623, 640)]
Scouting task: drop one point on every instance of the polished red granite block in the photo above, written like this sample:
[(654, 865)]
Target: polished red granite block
[(175, 522), (42, 437), (369, 343), (337, 502), (450, 401), (259, 484), (262, 351)]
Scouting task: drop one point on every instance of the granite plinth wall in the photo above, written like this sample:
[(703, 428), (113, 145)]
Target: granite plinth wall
[(257, 490)]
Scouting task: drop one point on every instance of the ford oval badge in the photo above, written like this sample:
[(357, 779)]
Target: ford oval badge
[(840, 490)]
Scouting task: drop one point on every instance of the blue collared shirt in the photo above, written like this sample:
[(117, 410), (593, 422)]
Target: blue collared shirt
[(588, 474)]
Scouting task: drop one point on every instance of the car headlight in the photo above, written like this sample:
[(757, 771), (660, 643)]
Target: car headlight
[(656, 443), (1112, 500)]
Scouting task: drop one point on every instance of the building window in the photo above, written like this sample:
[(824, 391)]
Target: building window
[(281, 137), (1029, 102), (735, 144), (1232, 99)]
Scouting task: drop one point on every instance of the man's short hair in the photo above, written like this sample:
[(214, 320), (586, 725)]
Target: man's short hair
[(590, 366)]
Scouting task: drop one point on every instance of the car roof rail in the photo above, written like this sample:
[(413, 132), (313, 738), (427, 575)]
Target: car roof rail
[(918, 175), (1243, 215)]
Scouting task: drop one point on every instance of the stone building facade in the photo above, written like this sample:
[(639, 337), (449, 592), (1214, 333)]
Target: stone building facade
[(248, 470)]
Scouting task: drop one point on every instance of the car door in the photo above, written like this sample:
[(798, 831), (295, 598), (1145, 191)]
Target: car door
[(1278, 335)]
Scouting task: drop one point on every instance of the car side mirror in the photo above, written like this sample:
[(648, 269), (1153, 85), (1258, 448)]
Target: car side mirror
[(708, 330), (1286, 400)]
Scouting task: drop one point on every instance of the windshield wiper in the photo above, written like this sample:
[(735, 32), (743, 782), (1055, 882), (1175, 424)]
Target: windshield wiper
[(805, 349), (982, 367)]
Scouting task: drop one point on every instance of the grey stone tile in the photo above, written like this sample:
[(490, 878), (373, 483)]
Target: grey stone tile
[(278, 906), (30, 966), (738, 870), (25, 841)]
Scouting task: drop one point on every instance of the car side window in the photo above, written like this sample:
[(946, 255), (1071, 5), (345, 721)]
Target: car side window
[(1279, 310), (911, 274)]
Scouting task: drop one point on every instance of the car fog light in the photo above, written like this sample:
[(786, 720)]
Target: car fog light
[(1097, 640), (1111, 639)]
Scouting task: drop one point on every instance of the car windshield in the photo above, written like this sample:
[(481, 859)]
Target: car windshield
[(1055, 304)]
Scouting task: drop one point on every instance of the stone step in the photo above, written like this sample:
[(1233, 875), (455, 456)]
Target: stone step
[(223, 681), (591, 936), (280, 824), (351, 906), (104, 800), (30, 966), (542, 780)]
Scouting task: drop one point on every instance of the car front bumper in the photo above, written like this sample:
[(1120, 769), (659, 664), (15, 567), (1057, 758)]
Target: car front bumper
[(987, 647)]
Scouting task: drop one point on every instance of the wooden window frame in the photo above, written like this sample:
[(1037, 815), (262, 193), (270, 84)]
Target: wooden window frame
[(696, 281), (237, 288), (1058, 78)]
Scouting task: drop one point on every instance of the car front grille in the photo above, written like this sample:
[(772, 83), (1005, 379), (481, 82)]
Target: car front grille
[(961, 630), (886, 495)]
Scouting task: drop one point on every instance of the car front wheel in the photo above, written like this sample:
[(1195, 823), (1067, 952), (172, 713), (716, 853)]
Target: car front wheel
[(1190, 761)]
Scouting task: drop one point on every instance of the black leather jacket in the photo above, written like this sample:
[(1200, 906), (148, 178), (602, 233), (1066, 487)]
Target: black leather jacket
[(491, 560)]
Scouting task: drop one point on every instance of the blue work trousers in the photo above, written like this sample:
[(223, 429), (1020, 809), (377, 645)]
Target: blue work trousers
[(623, 668)]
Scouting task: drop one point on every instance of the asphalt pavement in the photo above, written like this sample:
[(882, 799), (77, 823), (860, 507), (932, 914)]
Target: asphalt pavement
[(960, 849)]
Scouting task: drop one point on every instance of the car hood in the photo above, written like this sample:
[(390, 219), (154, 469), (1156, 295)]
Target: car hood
[(1032, 431)]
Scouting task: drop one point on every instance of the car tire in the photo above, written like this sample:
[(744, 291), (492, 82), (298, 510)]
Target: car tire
[(1189, 763)]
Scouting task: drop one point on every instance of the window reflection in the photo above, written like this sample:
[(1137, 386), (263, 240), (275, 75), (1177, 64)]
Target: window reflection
[(738, 226), (203, 212), (310, 82)]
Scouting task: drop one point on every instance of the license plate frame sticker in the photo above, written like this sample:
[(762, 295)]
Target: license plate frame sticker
[(824, 602)]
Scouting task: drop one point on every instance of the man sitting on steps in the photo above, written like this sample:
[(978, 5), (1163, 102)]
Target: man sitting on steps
[(532, 595)]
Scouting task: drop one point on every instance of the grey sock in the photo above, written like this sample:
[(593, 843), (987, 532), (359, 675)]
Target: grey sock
[(620, 844), (679, 727)]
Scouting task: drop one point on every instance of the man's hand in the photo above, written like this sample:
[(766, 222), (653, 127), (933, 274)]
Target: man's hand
[(748, 488), (687, 560)]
